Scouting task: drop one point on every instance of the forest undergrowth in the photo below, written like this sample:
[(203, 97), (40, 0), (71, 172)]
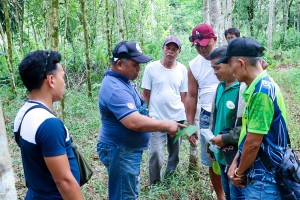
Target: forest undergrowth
[(82, 120)]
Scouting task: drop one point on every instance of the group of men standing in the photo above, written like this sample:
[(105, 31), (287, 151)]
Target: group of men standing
[(240, 105)]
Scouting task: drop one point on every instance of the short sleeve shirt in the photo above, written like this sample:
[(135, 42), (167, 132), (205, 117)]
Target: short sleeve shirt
[(119, 98), (265, 114), (165, 86), (224, 111), (42, 135)]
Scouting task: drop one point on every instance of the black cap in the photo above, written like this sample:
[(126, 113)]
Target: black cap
[(242, 46), (130, 50)]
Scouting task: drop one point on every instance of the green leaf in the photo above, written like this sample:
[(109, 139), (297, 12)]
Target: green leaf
[(189, 130)]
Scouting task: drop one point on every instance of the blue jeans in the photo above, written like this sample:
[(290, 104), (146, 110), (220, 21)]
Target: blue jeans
[(257, 190), (204, 123), (231, 192), (123, 167)]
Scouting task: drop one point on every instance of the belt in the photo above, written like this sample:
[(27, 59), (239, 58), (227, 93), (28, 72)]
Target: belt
[(205, 112)]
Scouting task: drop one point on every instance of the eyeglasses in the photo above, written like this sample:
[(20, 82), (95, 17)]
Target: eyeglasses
[(198, 36), (47, 62)]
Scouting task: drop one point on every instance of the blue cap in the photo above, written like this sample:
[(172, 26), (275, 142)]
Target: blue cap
[(130, 50)]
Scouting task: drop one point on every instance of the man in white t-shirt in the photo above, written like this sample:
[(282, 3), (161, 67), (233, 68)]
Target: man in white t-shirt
[(203, 83), (164, 89)]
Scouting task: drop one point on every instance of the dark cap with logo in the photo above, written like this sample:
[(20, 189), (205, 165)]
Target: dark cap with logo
[(202, 34), (242, 46), (130, 50), (173, 39)]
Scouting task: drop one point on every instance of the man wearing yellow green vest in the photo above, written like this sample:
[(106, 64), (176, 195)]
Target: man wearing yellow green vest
[(263, 122)]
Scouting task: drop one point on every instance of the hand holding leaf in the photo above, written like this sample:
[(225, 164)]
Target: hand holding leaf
[(189, 130)]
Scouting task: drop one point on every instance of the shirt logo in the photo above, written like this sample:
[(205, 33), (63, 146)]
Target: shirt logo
[(130, 105), (230, 105)]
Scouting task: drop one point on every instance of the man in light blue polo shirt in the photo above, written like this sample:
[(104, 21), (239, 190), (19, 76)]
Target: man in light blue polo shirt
[(125, 126)]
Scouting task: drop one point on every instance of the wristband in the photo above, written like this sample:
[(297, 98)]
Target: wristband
[(239, 176)]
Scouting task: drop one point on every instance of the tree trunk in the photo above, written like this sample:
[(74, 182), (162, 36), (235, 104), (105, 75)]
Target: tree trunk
[(206, 11), (17, 15), (7, 183), (216, 20), (120, 19), (140, 30), (87, 50), (22, 26), (54, 35), (284, 13), (297, 16), (108, 38), (54, 39), (194, 160), (289, 21), (228, 7), (45, 23), (271, 22), (250, 11), (9, 47), (65, 40)]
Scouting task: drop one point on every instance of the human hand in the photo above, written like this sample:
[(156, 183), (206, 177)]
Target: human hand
[(237, 179), (217, 141), (174, 127), (232, 168), (239, 182), (193, 138), (212, 157)]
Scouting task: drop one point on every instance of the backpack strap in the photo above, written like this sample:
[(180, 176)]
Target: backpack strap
[(236, 103), (17, 134)]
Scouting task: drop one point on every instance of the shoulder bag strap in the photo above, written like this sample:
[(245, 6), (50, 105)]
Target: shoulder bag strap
[(17, 134)]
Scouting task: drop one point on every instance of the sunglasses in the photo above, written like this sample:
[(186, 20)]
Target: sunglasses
[(198, 36), (47, 62)]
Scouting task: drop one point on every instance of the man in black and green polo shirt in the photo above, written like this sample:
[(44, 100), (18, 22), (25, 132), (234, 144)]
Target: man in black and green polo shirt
[(264, 124)]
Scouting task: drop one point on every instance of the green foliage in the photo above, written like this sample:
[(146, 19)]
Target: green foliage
[(159, 19), (189, 130), (289, 41), (287, 78)]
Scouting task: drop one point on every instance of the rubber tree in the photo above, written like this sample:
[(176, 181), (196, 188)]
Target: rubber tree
[(7, 180), (87, 48), (9, 56)]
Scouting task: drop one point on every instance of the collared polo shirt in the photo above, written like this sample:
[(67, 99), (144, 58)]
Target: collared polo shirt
[(225, 111), (265, 114), (118, 99)]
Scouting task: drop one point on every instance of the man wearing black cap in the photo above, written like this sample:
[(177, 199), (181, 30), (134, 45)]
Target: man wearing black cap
[(164, 89), (202, 83), (232, 33), (125, 128), (264, 131)]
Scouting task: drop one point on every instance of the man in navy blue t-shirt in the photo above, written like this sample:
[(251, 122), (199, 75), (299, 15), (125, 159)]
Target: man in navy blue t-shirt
[(50, 167), (125, 126)]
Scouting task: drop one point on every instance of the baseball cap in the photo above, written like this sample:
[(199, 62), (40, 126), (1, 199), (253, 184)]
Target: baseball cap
[(202, 34), (173, 39), (242, 46), (130, 50)]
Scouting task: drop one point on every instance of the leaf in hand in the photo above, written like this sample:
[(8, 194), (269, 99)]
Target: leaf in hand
[(189, 130)]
